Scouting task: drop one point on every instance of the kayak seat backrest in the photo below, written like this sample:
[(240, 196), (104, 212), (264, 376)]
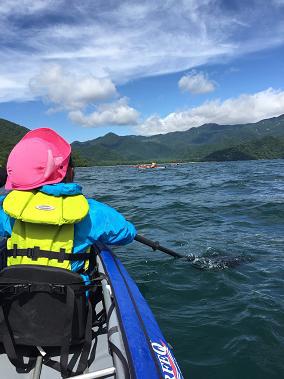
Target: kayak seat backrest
[(40, 303)]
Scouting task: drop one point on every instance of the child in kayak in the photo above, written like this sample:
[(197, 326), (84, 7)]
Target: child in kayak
[(46, 218)]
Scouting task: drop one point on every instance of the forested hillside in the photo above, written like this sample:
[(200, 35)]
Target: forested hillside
[(265, 148), (192, 145), (261, 140)]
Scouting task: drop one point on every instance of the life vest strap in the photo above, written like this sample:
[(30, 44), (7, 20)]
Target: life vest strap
[(36, 253)]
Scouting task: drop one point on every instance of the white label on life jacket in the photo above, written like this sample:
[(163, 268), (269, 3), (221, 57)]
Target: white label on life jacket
[(45, 207)]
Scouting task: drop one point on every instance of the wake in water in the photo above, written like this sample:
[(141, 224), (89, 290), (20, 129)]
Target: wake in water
[(214, 260)]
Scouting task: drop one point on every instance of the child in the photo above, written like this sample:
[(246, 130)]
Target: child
[(46, 218)]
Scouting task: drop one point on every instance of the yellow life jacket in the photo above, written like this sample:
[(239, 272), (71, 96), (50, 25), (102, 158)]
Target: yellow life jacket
[(43, 233)]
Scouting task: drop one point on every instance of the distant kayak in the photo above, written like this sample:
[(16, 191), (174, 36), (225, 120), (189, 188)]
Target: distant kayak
[(149, 167)]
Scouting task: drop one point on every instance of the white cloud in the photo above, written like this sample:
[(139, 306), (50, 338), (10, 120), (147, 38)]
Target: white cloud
[(118, 113), (125, 40), (196, 83), (25, 6), (243, 109), (279, 2), (71, 91), (74, 93), (12, 89)]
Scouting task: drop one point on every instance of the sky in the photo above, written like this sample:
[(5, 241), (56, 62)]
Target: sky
[(140, 67)]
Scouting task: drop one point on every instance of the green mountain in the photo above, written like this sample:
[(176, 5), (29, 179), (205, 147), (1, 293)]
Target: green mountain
[(265, 148), (263, 139), (192, 145), (113, 148), (10, 134)]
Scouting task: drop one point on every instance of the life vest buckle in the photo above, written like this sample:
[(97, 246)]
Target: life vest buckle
[(61, 256), (14, 251), (32, 253)]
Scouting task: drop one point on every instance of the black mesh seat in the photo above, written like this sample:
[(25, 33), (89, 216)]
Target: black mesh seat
[(47, 307)]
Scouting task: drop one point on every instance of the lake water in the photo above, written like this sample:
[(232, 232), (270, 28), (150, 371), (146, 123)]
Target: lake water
[(221, 323)]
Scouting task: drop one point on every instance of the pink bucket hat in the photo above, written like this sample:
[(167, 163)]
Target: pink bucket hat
[(41, 157)]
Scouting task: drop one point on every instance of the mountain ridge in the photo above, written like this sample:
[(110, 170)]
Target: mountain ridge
[(194, 144)]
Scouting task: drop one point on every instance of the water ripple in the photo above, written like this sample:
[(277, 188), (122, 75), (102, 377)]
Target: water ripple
[(224, 323)]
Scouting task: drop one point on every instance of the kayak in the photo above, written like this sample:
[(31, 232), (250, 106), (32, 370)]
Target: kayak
[(126, 339), (151, 168)]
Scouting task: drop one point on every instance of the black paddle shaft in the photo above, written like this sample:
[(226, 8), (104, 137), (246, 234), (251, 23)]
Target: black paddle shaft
[(223, 262), (156, 246)]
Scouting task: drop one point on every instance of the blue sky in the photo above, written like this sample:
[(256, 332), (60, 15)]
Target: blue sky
[(140, 67)]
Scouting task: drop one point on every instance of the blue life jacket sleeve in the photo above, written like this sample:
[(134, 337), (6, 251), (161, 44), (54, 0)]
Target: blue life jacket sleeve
[(102, 223), (108, 225), (5, 221)]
